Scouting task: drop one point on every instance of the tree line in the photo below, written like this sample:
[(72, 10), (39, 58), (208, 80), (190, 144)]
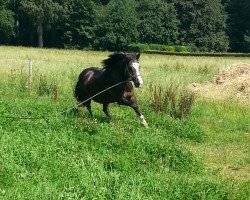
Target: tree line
[(208, 25)]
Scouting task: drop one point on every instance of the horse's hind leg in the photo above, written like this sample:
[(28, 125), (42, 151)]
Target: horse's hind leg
[(106, 109), (88, 106)]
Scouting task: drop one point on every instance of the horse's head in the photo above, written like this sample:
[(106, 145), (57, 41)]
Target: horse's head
[(133, 68), (117, 61)]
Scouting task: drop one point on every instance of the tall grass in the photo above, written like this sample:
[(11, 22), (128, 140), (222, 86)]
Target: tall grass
[(172, 100), (202, 156)]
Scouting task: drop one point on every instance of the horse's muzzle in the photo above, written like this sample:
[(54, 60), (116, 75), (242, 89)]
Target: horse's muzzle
[(138, 83)]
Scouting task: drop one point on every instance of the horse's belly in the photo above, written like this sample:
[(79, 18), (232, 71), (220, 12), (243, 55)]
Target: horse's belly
[(105, 98)]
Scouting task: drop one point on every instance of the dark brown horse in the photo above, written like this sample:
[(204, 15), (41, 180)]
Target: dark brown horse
[(119, 69)]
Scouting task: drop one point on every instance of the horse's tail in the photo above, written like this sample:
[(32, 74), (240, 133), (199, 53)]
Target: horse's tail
[(77, 92)]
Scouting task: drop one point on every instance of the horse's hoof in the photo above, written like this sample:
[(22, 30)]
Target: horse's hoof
[(143, 121), (144, 124)]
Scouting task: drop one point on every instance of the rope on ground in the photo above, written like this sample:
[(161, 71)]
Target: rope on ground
[(45, 117)]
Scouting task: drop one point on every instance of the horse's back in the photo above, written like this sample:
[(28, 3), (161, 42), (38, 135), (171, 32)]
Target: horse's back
[(85, 82), (90, 74)]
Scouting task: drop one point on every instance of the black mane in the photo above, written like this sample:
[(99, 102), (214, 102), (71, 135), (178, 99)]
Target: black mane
[(113, 60)]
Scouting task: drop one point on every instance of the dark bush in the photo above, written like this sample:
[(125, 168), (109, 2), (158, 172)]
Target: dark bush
[(182, 49), (139, 47)]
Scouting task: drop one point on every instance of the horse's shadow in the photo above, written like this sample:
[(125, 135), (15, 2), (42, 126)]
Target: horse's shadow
[(89, 124)]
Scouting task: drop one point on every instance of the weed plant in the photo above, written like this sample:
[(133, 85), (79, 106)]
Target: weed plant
[(173, 101)]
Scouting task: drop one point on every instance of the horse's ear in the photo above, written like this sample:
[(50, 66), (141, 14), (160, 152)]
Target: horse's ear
[(138, 56)]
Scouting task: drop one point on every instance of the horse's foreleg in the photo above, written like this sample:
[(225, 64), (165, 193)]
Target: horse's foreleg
[(133, 104), (141, 117), (106, 109)]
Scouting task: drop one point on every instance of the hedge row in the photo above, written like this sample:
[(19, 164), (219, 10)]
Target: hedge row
[(198, 54), (168, 48), (178, 50)]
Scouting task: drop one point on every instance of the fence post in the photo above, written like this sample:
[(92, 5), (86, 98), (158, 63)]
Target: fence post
[(30, 75)]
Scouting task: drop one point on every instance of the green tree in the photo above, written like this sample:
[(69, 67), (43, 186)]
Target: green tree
[(79, 24), (41, 13), (117, 25), (4, 3), (158, 22), (239, 25), (7, 23), (203, 24), (103, 2)]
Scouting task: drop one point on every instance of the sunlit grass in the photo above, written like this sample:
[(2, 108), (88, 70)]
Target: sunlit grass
[(203, 156)]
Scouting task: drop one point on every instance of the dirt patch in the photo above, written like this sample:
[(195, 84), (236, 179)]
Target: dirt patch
[(240, 173), (232, 82)]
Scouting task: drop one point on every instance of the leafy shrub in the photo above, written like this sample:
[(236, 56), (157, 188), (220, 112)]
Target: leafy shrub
[(159, 47), (138, 47), (155, 47), (182, 49), (170, 48), (193, 48)]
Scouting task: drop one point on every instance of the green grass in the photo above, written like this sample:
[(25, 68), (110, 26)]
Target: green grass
[(204, 156)]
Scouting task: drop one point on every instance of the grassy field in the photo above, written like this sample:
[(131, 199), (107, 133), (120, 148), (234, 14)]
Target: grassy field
[(203, 156)]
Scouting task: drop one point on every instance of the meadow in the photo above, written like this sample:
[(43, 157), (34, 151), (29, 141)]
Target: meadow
[(202, 156)]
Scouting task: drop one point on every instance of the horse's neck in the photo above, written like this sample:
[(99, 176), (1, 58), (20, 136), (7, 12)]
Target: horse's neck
[(115, 76), (115, 79)]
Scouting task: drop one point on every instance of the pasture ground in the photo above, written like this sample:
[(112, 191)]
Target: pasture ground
[(204, 156)]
